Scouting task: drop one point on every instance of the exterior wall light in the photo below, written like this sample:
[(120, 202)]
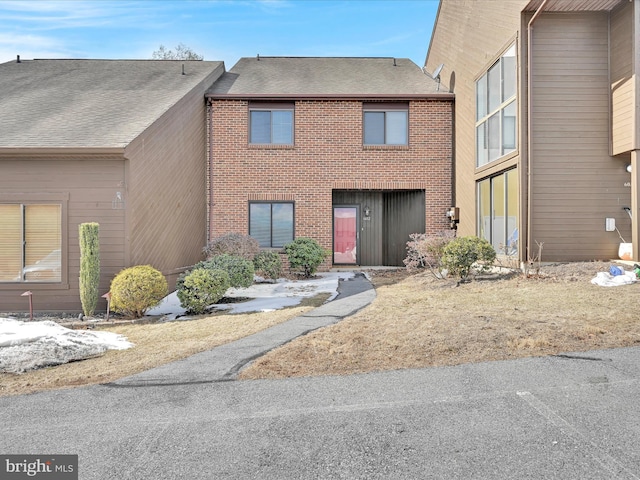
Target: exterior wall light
[(629, 168), (118, 202)]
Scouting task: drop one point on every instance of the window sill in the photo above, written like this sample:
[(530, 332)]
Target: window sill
[(498, 163), (35, 286), (270, 146), (386, 147)]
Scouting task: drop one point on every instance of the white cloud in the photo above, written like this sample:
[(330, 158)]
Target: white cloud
[(31, 46)]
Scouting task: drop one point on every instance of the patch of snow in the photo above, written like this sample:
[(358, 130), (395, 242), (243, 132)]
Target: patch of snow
[(265, 297), (30, 345), (605, 279)]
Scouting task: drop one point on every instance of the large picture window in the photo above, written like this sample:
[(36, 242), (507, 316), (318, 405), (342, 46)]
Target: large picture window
[(31, 242), (498, 212), (271, 124), (271, 224), (386, 124), (496, 110)]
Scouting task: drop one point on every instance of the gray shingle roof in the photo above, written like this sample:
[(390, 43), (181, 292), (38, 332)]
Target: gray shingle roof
[(89, 103), (324, 76)]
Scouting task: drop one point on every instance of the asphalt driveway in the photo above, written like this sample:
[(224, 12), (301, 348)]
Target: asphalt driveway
[(574, 417), (566, 417)]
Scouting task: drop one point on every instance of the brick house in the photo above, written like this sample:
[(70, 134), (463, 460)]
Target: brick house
[(353, 152)]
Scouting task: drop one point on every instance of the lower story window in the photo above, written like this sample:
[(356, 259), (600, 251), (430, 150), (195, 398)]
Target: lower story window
[(31, 243), (271, 223), (498, 212)]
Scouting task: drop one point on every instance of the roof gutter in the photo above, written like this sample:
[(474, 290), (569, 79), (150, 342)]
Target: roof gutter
[(346, 96), (55, 151), (529, 121)]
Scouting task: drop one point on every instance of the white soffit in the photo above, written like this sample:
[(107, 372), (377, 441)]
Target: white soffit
[(573, 5)]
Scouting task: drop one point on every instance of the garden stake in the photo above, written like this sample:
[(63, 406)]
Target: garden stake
[(30, 295), (108, 297)]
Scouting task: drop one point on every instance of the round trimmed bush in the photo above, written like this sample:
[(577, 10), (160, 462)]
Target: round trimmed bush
[(305, 255), (202, 287), (464, 254), (136, 289), (268, 264), (240, 270)]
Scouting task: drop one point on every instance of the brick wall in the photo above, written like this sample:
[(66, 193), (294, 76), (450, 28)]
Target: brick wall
[(327, 154)]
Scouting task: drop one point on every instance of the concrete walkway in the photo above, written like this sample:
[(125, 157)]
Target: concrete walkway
[(223, 363)]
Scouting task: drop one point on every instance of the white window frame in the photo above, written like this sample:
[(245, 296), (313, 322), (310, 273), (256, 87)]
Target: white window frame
[(492, 143)]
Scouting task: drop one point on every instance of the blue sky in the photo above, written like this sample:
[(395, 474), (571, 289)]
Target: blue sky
[(218, 29)]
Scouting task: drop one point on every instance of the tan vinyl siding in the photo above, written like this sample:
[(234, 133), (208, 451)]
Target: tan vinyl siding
[(85, 187), (468, 37), (622, 80), (576, 184), (167, 187)]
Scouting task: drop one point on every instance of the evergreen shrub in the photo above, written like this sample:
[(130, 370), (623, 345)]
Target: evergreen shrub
[(201, 287), (305, 255), (136, 289)]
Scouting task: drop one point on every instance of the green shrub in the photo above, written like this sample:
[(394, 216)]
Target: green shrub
[(200, 288), (463, 254), (89, 266), (233, 244), (240, 270), (136, 289), (305, 255), (268, 264)]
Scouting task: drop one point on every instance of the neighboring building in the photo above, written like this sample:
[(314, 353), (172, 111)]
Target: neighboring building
[(118, 142), (547, 119), (352, 152)]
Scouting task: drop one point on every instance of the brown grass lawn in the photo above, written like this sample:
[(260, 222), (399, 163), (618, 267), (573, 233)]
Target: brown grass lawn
[(415, 321), (421, 322)]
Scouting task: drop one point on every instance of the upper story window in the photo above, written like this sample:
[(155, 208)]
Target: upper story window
[(386, 124), (496, 109), (271, 123), (31, 243)]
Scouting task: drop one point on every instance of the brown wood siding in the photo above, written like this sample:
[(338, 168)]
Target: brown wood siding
[(404, 214), (167, 187), (576, 184), (469, 35), (90, 186), (623, 91)]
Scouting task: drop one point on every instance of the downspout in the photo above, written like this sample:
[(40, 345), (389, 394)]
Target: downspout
[(529, 119), (208, 170), (635, 153)]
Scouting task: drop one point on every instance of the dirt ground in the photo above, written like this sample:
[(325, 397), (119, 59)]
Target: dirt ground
[(415, 321), (418, 321)]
